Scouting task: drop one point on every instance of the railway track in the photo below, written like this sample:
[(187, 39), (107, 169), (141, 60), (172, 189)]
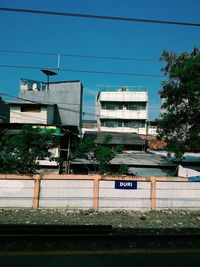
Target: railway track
[(99, 234), (53, 231), (96, 245)]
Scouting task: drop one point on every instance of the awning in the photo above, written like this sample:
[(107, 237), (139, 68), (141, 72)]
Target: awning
[(188, 173), (56, 131)]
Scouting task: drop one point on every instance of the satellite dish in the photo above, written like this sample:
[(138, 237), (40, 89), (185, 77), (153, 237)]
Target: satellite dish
[(48, 73)]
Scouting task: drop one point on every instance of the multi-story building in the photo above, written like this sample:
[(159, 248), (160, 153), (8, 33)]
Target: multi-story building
[(122, 109), (53, 103), (56, 106), (27, 113)]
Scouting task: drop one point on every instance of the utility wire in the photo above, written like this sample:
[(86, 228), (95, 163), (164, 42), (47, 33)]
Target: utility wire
[(28, 52), (35, 102), (79, 56), (52, 103), (42, 103), (39, 121), (85, 71), (28, 116), (61, 103), (101, 17), (113, 73), (112, 58), (67, 109)]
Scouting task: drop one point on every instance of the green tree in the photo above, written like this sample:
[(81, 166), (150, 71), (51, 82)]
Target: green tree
[(103, 155), (21, 152), (123, 169), (99, 155), (180, 120)]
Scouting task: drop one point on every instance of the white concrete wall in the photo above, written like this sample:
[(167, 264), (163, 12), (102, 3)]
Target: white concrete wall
[(123, 130), (124, 96), (124, 114), (16, 116), (16, 193), (66, 194), (178, 194), (111, 198), (55, 153), (152, 130), (79, 194)]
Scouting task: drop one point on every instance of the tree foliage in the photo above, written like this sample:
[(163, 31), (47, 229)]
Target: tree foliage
[(21, 152), (99, 155), (180, 119)]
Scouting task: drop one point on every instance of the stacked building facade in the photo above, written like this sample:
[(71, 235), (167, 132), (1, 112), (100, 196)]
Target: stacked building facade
[(123, 109)]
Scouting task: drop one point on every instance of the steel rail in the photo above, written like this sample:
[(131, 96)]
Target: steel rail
[(96, 232)]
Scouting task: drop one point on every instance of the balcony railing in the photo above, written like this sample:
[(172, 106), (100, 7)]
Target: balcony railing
[(124, 114), (124, 89)]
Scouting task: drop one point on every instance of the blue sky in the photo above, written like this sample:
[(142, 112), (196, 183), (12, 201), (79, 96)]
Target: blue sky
[(67, 35)]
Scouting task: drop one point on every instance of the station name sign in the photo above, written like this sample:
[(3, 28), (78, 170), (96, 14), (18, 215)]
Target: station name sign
[(125, 184)]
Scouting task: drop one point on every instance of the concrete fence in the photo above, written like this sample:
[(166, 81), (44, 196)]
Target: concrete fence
[(98, 192)]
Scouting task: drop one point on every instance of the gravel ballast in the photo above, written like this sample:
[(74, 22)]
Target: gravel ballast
[(119, 219)]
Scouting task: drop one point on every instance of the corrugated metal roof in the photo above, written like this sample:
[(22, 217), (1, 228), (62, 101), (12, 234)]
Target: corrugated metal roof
[(139, 171), (135, 158), (117, 138)]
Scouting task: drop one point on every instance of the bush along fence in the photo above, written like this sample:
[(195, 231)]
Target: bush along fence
[(97, 192)]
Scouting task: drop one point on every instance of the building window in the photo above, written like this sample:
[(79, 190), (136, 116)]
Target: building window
[(111, 123), (134, 123), (135, 105), (112, 105), (30, 108)]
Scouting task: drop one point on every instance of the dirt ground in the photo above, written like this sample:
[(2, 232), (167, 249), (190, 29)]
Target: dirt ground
[(119, 219)]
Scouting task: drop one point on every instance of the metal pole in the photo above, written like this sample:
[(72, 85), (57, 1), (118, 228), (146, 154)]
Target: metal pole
[(146, 141), (48, 82), (68, 156), (58, 61)]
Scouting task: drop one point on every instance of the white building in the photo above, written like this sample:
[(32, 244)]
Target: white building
[(122, 110), (65, 96), (31, 113)]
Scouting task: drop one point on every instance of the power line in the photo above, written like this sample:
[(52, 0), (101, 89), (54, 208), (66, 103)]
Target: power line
[(113, 73), (61, 103), (40, 120), (112, 58), (35, 102), (20, 98), (79, 56), (89, 16), (85, 71), (28, 52), (67, 109), (40, 103)]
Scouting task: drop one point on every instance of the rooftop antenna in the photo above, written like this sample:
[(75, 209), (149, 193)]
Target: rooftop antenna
[(48, 73)]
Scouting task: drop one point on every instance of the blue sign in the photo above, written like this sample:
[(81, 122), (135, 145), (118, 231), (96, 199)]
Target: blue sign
[(125, 184), (194, 179)]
